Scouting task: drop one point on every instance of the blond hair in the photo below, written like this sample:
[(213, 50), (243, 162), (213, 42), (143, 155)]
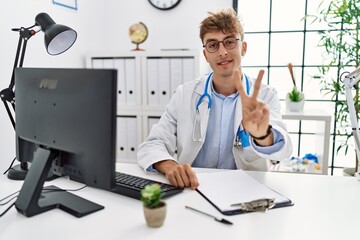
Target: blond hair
[(226, 21)]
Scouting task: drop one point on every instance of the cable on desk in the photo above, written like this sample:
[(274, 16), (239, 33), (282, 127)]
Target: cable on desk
[(46, 190), (3, 213), (1, 200), (11, 164), (3, 204)]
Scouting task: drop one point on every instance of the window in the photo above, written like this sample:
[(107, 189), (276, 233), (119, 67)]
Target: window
[(276, 36)]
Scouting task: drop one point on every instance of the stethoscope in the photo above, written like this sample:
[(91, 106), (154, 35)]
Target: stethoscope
[(242, 137)]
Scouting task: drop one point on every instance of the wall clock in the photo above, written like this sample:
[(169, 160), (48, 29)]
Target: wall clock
[(164, 4)]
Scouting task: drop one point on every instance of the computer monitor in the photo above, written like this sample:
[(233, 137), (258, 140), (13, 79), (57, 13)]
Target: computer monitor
[(66, 122)]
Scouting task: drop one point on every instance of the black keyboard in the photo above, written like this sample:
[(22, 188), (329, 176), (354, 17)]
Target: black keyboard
[(130, 185)]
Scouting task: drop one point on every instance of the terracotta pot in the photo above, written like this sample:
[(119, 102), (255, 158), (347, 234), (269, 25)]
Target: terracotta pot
[(155, 216)]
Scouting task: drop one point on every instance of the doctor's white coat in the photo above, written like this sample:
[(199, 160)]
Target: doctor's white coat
[(174, 131)]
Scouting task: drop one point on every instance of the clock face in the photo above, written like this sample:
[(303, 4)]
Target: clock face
[(164, 4)]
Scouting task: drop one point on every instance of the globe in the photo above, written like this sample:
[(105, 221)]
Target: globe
[(138, 33)]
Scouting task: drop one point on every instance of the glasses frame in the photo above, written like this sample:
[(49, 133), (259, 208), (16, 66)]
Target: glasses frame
[(218, 44)]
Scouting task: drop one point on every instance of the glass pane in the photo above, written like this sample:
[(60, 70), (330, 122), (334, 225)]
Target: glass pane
[(312, 126), (285, 48), (292, 125), (312, 86), (257, 50), (254, 71), (255, 22), (315, 86), (295, 141), (313, 53), (310, 144), (280, 79), (287, 15), (343, 159), (312, 9)]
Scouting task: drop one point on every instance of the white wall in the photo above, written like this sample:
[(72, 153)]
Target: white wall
[(102, 27)]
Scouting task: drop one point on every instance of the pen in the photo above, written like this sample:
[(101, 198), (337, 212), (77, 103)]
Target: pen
[(222, 220)]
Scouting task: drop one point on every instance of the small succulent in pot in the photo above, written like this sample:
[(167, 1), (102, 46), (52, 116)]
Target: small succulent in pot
[(151, 195), (154, 208), (295, 95)]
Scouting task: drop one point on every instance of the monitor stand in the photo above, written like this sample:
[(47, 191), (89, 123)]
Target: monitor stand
[(33, 199), (18, 172)]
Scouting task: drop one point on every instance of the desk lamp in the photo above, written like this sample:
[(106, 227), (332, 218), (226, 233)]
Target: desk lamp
[(58, 39), (351, 81)]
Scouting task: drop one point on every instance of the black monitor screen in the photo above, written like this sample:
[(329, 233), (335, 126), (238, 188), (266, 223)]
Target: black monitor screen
[(66, 122)]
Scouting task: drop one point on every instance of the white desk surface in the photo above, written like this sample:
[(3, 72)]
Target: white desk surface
[(325, 208)]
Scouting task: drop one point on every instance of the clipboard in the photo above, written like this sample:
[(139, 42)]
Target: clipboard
[(235, 192)]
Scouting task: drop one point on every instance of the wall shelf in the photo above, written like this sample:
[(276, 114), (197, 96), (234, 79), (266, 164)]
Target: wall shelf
[(146, 81)]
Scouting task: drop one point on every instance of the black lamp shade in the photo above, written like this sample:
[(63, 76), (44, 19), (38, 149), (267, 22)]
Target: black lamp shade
[(58, 38)]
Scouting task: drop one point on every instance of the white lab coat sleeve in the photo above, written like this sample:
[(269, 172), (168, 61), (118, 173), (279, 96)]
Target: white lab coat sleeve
[(161, 143), (250, 159), (270, 97)]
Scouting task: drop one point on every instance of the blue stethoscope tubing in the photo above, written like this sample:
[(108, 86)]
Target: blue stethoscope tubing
[(242, 137)]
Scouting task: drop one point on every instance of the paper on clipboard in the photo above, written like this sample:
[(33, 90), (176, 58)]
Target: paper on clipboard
[(224, 188)]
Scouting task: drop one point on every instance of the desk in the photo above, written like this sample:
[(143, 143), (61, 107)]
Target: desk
[(321, 138), (326, 207)]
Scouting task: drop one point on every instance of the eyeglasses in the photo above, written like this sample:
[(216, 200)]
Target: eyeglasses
[(213, 46)]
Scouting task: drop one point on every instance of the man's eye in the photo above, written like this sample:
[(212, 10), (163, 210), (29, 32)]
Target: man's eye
[(212, 45), (230, 42)]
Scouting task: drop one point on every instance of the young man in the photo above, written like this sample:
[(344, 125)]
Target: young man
[(224, 120)]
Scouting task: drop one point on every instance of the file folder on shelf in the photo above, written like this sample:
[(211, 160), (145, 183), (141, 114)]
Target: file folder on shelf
[(150, 122), (132, 138), (188, 69), (152, 81), (108, 63), (97, 63), (227, 190), (130, 77), (121, 136), (176, 74), (164, 81), (121, 82)]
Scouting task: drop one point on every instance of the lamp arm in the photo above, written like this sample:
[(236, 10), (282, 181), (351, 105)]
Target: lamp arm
[(350, 82), (24, 35), (7, 95)]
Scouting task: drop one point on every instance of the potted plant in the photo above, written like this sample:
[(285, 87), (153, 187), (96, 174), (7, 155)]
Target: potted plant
[(154, 208), (295, 99), (341, 54)]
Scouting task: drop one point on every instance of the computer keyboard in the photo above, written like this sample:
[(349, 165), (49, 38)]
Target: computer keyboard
[(130, 185)]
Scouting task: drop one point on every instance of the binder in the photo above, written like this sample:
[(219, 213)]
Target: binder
[(188, 69), (121, 86), (225, 189), (108, 63), (176, 74), (132, 141), (152, 81), (97, 63), (130, 78), (151, 122), (121, 136), (164, 81)]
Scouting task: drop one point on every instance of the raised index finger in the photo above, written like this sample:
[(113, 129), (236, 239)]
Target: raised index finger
[(257, 84), (238, 83)]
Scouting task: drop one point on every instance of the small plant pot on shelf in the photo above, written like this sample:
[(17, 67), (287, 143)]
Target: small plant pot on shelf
[(155, 217), (294, 106)]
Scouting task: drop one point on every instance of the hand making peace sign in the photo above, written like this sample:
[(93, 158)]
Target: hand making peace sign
[(255, 112)]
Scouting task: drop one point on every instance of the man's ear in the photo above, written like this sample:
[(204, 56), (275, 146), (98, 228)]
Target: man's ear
[(243, 48), (204, 52)]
